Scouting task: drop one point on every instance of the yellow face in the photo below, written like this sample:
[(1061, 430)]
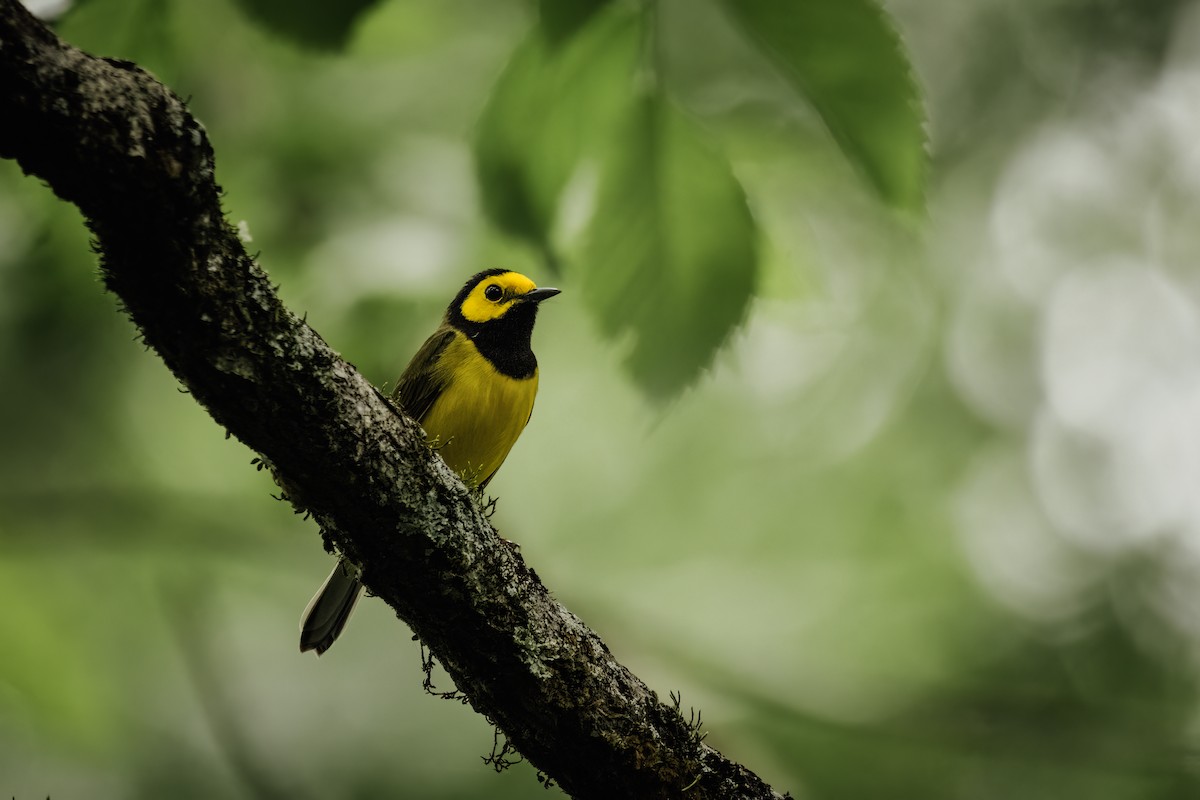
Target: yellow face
[(493, 296)]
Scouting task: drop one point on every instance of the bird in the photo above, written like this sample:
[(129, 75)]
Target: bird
[(471, 386)]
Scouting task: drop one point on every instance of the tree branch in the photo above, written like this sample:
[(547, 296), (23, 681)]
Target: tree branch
[(110, 139)]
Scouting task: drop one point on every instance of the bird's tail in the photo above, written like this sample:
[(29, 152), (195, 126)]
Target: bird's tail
[(329, 609)]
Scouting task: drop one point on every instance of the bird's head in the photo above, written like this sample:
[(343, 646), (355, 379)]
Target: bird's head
[(494, 294)]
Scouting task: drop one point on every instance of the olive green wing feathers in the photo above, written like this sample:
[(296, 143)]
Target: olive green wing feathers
[(420, 385)]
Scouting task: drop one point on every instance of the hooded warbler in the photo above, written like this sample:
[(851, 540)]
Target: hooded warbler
[(471, 386)]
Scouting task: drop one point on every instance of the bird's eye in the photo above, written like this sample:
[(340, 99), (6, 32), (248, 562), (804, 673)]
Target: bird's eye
[(493, 293)]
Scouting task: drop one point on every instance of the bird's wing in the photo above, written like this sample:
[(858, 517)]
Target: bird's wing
[(420, 385)]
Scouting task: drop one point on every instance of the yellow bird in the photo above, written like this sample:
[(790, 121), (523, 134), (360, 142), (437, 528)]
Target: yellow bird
[(471, 386)]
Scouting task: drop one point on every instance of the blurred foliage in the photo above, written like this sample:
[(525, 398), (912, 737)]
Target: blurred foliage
[(559, 108), (558, 22), (554, 103), (924, 527), (671, 252), (322, 25), (846, 59)]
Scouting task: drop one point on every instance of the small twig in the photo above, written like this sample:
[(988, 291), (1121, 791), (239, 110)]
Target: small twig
[(427, 664), (501, 758)]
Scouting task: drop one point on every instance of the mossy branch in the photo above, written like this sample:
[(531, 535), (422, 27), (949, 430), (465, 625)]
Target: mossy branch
[(106, 136)]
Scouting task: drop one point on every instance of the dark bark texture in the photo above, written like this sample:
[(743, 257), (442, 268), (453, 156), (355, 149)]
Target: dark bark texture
[(106, 136)]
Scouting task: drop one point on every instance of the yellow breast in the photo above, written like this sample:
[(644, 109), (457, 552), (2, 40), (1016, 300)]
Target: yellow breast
[(480, 414)]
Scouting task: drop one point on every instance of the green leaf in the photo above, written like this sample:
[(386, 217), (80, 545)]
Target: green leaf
[(670, 255), (502, 163), (846, 59), (549, 108), (319, 24), (561, 19)]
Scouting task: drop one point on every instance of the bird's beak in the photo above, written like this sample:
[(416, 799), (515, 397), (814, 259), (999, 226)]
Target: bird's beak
[(538, 295)]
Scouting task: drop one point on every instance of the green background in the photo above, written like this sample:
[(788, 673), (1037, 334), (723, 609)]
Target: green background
[(926, 528)]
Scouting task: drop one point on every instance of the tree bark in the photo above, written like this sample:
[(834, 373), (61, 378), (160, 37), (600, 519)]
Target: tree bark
[(106, 136)]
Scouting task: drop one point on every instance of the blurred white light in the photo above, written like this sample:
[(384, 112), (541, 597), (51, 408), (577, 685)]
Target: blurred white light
[(1117, 337), (47, 9), (401, 256), (1060, 198), (829, 376), (991, 352), (1117, 453), (779, 334), (412, 236), (1092, 234), (1010, 543), (1113, 492)]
